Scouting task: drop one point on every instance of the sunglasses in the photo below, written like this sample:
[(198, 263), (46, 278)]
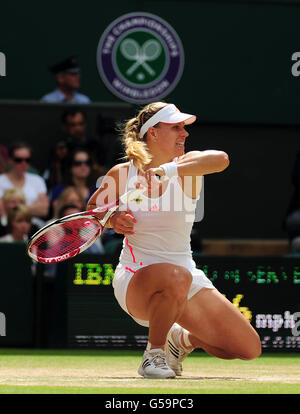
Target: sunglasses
[(78, 163), (74, 124), (19, 160)]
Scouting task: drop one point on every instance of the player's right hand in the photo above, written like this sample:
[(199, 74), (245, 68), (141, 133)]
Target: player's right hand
[(123, 222)]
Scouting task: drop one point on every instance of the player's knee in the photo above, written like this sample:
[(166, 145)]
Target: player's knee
[(252, 349), (179, 282)]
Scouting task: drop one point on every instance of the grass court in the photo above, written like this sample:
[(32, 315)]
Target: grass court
[(29, 371)]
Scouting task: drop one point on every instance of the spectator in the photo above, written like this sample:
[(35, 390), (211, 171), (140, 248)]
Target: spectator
[(3, 159), (74, 127), (12, 198), (19, 224), (67, 75), (111, 142), (53, 175), (70, 195), (78, 174), (32, 185)]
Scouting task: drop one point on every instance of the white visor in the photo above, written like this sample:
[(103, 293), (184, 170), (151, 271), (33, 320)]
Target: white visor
[(168, 115)]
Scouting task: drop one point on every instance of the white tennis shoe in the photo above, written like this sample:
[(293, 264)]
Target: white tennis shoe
[(175, 351), (154, 365)]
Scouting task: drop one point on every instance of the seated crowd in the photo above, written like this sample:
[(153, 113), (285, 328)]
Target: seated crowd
[(29, 199)]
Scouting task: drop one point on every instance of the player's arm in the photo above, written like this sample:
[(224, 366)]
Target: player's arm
[(112, 187), (195, 163), (108, 192)]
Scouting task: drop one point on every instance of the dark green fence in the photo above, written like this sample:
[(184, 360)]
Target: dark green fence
[(17, 296)]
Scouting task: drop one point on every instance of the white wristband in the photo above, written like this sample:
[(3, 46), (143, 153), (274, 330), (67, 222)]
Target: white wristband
[(170, 169)]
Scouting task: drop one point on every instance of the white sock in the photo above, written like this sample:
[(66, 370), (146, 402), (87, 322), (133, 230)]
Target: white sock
[(184, 339)]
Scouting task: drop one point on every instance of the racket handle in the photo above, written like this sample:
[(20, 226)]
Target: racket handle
[(104, 220), (159, 178)]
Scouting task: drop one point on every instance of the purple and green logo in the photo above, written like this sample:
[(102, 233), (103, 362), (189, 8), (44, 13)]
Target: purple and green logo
[(140, 57)]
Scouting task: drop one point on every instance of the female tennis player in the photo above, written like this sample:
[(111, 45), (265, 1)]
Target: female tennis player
[(156, 280)]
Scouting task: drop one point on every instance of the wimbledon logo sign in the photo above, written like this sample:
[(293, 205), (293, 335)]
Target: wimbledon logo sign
[(140, 57)]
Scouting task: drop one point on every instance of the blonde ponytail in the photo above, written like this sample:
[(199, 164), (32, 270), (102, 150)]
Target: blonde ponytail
[(136, 148)]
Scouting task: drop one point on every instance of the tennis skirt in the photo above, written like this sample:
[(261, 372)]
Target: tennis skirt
[(123, 276)]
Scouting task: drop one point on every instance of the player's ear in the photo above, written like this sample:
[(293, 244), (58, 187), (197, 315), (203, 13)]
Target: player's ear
[(152, 134)]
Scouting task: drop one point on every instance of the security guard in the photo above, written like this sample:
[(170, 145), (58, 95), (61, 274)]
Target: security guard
[(67, 75)]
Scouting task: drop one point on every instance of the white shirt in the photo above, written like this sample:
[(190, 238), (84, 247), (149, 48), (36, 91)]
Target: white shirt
[(58, 96), (33, 186), (8, 238)]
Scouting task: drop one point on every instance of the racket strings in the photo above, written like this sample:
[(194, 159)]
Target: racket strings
[(65, 237)]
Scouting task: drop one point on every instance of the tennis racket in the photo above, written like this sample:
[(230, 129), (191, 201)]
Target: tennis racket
[(70, 235)]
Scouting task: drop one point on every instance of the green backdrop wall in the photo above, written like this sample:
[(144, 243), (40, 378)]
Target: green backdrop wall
[(237, 53)]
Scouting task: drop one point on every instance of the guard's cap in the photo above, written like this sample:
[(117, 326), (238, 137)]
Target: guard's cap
[(69, 65)]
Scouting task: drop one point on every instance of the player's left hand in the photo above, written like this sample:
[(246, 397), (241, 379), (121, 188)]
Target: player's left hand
[(151, 176)]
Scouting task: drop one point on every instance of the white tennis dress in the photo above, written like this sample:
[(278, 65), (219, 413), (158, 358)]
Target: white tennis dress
[(161, 235)]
